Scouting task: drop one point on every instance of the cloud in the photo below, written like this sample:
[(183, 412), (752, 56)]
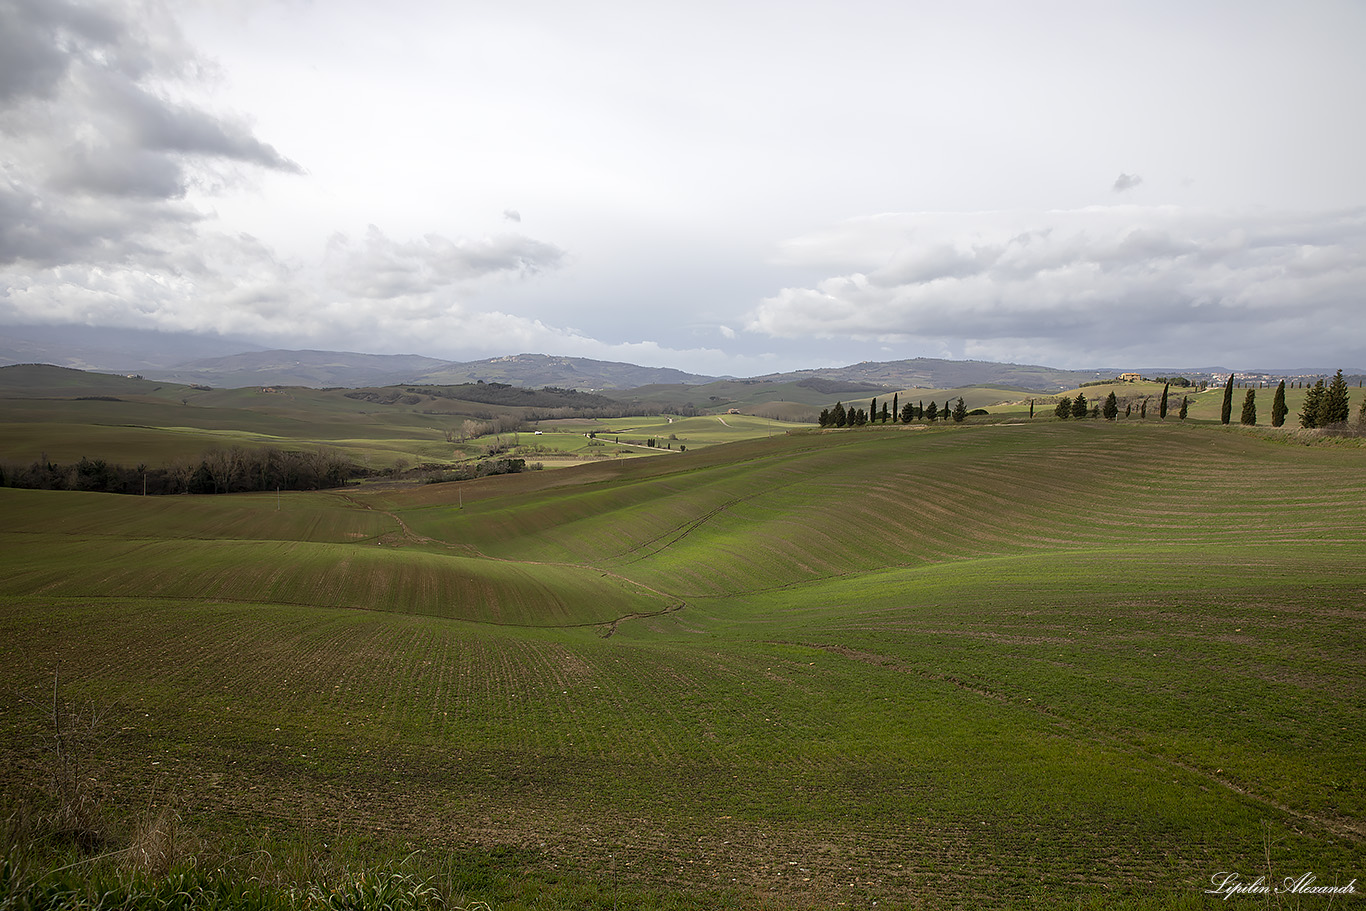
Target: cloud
[(1088, 280), (378, 268), (1126, 182), (41, 39), (103, 155), (374, 293), (101, 144), (512, 215), (370, 293)]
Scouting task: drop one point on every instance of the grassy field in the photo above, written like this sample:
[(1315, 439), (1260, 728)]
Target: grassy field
[(1203, 406), (65, 415), (1060, 664)]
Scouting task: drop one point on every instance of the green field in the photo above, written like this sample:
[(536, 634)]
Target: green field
[(1059, 664), (1203, 406), (62, 415)]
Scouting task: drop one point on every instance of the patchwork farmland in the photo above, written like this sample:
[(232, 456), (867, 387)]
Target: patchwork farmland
[(1045, 665)]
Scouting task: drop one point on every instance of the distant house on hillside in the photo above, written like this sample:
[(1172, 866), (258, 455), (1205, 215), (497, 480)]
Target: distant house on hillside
[(1130, 377)]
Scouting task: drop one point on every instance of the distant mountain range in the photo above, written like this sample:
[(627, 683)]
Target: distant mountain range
[(111, 350), (204, 361), (321, 369), (936, 373)]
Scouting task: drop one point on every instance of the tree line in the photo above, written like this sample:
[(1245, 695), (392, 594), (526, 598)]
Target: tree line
[(233, 470), (839, 416), (1326, 404), (1079, 407)]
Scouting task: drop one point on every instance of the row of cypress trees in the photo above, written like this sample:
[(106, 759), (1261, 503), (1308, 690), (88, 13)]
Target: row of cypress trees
[(839, 416), (1078, 407), (1325, 404)]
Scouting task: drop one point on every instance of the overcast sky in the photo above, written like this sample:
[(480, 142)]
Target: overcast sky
[(720, 187)]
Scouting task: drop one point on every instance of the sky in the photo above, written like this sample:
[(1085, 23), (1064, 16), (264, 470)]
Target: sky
[(720, 187)]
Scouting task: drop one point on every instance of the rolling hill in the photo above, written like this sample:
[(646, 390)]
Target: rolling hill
[(1045, 665), (164, 357)]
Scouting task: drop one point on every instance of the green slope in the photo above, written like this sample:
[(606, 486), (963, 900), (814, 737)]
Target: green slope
[(1028, 665)]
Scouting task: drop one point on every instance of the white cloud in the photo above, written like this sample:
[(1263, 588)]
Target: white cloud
[(380, 268), (152, 157), (374, 294), (1087, 280), (100, 144)]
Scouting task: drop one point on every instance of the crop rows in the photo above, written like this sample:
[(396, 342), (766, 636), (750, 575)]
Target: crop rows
[(857, 667), (764, 524)]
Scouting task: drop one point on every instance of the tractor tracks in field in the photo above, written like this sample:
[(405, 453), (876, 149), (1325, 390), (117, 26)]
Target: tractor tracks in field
[(405, 533), (651, 546), (1347, 829), (608, 627)]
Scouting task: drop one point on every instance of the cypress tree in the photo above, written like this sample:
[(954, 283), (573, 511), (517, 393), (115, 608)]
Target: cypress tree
[(1313, 405), (872, 410), (1064, 409), (825, 417), (933, 413), (920, 412), (896, 408), (907, 413), (1143, 409), (884, 414), (1249, 415), (837, 416), (960, 411), (1079, 406), (1031, 409), (1336, 407), (1128, 409), (1185, 403), (1278, 409), (1162, 405), (1226, 413), (1111, 409)]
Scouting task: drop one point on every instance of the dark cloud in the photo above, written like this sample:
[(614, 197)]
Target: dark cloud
[(155, 124), (101, 155), (117, 171), (1126, 182), (97, 160), (48, 232), (39, 39)]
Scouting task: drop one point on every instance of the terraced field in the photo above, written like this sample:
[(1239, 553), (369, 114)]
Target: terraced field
[(968, 666)]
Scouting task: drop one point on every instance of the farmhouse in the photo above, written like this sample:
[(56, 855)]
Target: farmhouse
[(1130, 377)]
